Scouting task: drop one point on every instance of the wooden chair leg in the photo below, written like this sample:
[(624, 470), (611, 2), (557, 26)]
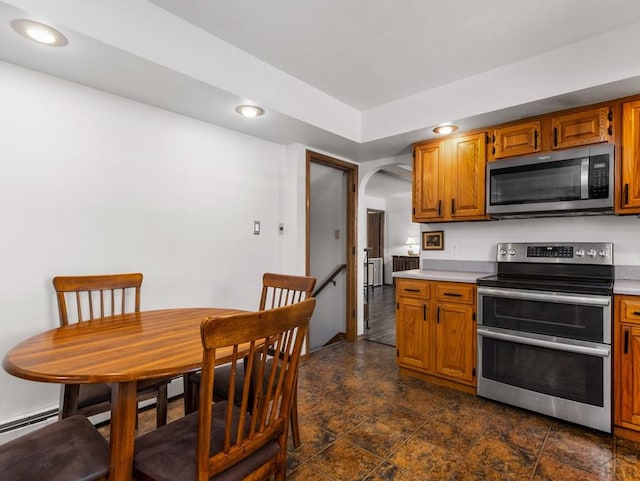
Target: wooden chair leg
[(295, 427), (161, 405)]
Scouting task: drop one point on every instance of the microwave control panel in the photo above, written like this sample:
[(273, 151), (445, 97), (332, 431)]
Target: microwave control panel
[(598, 177)]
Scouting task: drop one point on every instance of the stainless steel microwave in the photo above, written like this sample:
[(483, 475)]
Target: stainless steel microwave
[(574, 181)]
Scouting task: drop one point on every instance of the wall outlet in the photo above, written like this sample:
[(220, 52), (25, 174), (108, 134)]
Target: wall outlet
[(454, 247)]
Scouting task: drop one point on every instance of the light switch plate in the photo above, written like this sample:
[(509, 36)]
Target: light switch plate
[(256, 227)]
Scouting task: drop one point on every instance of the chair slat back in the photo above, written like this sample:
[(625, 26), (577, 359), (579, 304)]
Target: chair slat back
[(281, 290), (263, 414), (96, 296)]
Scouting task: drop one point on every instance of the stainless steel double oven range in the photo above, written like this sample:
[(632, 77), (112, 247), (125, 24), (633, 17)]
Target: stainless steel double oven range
[(544, 330)]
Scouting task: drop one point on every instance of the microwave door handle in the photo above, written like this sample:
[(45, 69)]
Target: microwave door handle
[(537, 296), (584, 179), (557, 346)]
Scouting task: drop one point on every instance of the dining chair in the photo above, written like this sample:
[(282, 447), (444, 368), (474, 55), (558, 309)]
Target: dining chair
[(277, 290), (95, 297), (67, 450), (234, 439)]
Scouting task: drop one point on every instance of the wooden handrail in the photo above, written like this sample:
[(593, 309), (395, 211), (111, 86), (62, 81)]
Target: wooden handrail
[(329, 279)]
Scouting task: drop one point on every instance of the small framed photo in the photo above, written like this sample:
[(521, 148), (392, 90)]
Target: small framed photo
[(433, 241)]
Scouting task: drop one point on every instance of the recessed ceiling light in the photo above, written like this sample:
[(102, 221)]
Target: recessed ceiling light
[(39, 32), (249, 110), (445, 129)]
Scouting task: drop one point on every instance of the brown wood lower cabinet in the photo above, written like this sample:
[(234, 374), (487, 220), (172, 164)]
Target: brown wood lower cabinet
[(436, 331), (627, 367)]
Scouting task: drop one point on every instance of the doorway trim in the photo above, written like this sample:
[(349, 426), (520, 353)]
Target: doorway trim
[(351, 170)]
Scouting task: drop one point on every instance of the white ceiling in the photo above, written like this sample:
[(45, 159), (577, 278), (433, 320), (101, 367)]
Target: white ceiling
[(361, 79)]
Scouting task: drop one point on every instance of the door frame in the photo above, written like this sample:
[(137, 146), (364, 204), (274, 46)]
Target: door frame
[(351, 170)]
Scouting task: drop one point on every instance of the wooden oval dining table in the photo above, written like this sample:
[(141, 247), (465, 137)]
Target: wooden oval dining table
[(120, 350)]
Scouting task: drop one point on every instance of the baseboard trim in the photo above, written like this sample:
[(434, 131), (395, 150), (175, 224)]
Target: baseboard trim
[(28, 420)]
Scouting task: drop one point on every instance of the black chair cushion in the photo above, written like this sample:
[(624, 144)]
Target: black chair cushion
[(68, 450), (169, 452)]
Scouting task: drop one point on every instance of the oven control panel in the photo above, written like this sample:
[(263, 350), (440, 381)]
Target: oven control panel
[(557, 252)]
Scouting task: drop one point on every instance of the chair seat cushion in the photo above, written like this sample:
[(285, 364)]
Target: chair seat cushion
[(169, 452), (67, 450)]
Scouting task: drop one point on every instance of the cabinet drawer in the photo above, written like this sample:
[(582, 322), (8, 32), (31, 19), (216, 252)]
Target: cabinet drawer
[(630, 309), (455, 292), (412, 288)]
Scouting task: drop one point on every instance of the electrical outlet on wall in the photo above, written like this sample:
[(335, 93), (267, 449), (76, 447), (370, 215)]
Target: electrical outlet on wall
[(454, 246)]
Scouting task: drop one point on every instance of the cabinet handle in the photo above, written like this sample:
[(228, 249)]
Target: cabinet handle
[(555, 136), (636, 313), (626, 342), (610, 130), (424, 312), (440, 207), (626, 194), (438, 315), (452, 294), (411, 290), (535, 140), (453, 206), (493, 150)]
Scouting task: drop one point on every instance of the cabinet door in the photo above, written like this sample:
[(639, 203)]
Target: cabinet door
[(581, 128), (412, 332), (455, 339), (629, 375), (517, 139), (629, 187), (428, 182), (466, 176)]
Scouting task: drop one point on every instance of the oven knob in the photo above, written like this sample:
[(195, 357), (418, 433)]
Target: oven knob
[(580, 252), (591, 252), (604, 252), (503, 252), (512, 252)]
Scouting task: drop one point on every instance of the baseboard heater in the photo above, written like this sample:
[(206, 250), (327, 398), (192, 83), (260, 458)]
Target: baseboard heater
[(28, 421)]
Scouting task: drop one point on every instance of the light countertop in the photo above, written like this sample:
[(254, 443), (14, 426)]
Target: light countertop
[(628, 287), (436, 275), (620, 286)]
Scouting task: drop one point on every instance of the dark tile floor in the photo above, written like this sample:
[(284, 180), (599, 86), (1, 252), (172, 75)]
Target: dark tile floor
[(361, 420)]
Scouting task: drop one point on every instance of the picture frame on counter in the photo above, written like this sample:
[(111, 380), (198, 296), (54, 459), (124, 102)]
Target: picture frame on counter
[(433, 240)]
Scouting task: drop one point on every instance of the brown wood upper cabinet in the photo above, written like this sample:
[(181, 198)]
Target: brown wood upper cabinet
[(519, 139), (449, 179), (582, 128), (628, 198), (554, 131)]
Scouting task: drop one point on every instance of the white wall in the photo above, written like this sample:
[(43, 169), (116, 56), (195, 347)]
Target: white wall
[(477, 240), (93, 183), (398, 227)]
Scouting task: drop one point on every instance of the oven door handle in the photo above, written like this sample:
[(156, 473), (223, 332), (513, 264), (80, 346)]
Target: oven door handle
[(591, 351), (538, 296)]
